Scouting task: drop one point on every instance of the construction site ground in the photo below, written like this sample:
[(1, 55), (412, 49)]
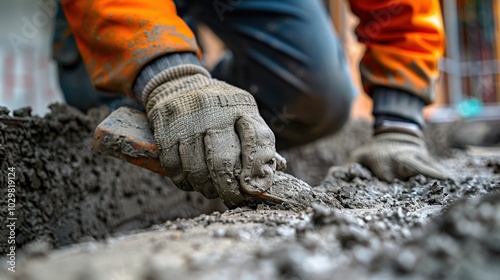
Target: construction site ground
[(83, 215)]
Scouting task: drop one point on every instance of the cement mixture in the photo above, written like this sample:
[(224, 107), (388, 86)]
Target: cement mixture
[(67, 193), (419, 229)]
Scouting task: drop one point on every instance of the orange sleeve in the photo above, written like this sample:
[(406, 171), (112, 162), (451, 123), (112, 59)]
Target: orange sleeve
[(116, 38), (404, 40)]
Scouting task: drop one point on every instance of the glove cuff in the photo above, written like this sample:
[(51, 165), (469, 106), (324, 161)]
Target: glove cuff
[(398, 127), (159, 64), (397, 105), (174, 80)]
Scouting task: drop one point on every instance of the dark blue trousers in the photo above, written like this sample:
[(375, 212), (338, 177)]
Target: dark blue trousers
[(286, 53)]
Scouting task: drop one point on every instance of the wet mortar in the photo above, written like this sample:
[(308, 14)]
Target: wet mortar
[(418, 229), (67, 193)]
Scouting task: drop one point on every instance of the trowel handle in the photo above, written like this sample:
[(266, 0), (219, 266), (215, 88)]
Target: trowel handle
[(126, 134)]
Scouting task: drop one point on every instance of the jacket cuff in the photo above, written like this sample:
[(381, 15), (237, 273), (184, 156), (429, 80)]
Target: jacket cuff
[(158, 65), (396, 105)]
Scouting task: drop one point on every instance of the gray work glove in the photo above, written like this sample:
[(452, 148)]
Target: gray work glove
[(210, 134), (393, 155)]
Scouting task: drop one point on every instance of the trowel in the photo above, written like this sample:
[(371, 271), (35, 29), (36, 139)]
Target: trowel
[(126, 134)]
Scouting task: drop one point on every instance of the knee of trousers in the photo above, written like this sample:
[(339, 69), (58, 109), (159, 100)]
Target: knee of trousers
[(308, 116)]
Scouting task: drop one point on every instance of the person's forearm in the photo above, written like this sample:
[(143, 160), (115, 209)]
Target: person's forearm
[(404, 40), (117, 40)]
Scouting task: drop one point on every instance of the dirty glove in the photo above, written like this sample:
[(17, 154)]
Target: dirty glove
[(211, 136), (399, 154)]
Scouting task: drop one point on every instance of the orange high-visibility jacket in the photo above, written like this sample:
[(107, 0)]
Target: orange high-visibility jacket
[(404, 40)]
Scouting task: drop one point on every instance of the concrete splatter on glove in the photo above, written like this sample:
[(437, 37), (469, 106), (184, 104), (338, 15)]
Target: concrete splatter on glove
[(393, 155), (211, 136)]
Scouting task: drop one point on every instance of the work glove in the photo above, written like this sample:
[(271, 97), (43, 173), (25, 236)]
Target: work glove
[(210, 134), (400, 155)]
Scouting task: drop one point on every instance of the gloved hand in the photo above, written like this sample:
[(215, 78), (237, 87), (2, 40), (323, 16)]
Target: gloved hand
[(398, 155), (211, 136)]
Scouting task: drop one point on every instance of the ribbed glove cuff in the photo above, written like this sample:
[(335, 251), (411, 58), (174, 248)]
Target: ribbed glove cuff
[(398, 127), (159, 64), (397, 105), (173, 80)]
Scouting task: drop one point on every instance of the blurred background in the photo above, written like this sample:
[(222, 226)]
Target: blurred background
[(470, 76), (469, 87), (27, 72)]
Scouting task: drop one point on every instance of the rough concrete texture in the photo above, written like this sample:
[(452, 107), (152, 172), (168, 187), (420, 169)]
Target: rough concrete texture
[(66, 192), (310, 162), (419, 229)]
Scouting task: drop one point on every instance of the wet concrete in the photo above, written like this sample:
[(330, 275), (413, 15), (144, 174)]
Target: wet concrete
[(367, 229), (310, 162), (67, 193)]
